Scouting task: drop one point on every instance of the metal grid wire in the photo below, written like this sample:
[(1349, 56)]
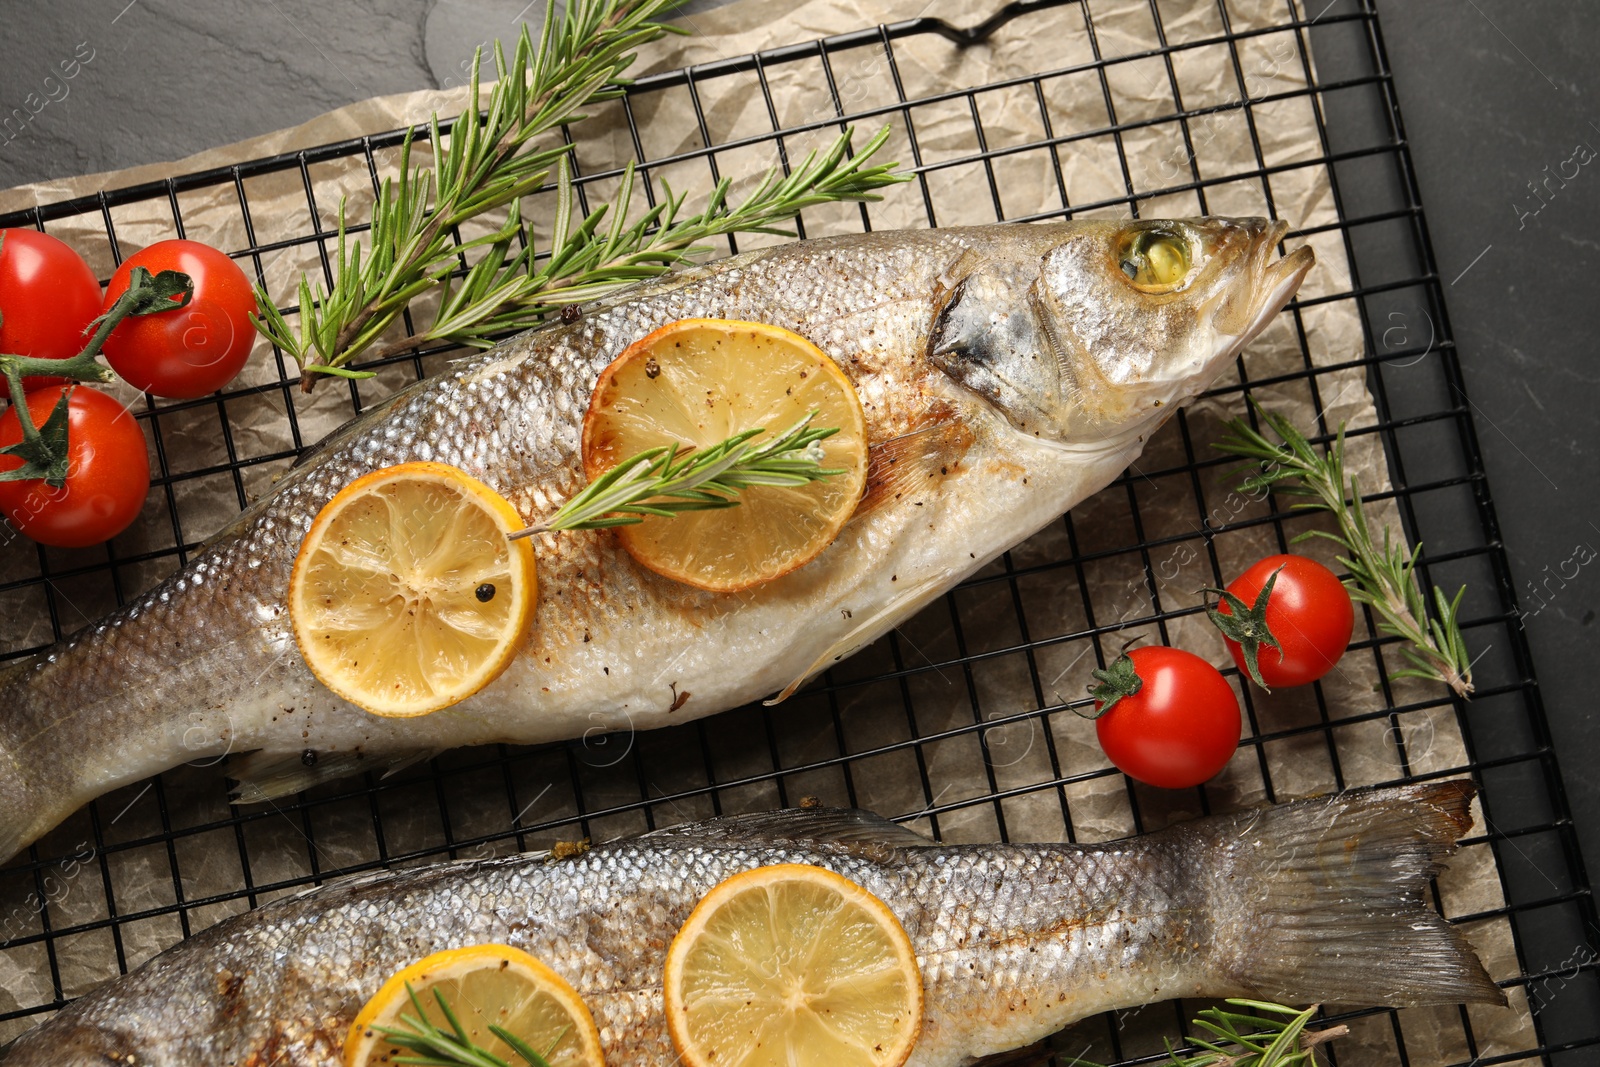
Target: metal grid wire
[(478, 801)]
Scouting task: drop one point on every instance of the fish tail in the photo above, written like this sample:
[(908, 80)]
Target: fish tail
[(1333, 904)]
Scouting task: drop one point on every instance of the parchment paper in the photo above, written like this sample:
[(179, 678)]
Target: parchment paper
[(1127, 585)]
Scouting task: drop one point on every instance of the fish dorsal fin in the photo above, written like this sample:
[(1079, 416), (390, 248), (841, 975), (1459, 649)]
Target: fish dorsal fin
[(849, 827)]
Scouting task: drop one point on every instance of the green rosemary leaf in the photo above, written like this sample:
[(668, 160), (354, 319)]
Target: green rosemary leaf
[(1267, 1005), (1288, 1040), (1231, 1029), (432, 1046), (534, 1057)]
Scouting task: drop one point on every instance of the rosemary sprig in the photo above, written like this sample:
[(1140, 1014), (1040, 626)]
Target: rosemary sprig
[(484, 164), (434, 1047), (585, 261), (492, 162), (1276, 1036), (658, 482), (1382, 575)]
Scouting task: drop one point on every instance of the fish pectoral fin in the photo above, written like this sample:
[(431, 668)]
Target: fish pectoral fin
[(799, 826), (901, 606), (912, 462), (266, 776)]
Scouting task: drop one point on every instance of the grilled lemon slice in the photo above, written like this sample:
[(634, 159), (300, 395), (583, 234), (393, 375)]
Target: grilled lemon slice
[(792, 966), (697, 382), (483, 985), (406, 596)]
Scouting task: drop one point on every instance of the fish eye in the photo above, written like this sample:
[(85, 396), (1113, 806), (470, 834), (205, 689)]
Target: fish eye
[(1154, 261)]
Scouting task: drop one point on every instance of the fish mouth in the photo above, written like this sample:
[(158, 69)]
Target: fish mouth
[(1279, 278)]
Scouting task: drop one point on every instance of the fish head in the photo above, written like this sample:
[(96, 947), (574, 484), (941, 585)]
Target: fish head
[(1093, 331)]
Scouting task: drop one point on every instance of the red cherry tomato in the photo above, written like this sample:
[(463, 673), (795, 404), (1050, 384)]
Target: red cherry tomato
[(188, 353), (108, 472), (1181, 726), (48, 297), (1308, 612)]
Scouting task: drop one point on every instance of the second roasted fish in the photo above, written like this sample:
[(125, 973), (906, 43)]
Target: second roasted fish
[(1317, 900)]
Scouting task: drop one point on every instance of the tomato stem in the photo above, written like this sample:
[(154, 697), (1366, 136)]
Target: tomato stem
[(1117, 681), (1246, 624), (43, 450)]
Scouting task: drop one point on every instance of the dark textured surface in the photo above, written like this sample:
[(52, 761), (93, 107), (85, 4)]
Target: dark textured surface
[(168, 78), (1493, 92)]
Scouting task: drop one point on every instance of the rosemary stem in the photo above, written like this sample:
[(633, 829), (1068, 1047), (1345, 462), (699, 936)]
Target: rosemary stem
[(664, 481)]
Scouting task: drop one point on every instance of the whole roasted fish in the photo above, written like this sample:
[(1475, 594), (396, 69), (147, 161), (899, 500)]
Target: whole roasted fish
[(1007, 372), (1317, 900)]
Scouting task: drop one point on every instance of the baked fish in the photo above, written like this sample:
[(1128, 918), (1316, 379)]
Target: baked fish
[(1007, 372), (1316, 900)]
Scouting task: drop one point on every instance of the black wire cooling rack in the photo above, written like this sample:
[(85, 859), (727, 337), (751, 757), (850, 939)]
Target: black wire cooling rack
[(151, 863)]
